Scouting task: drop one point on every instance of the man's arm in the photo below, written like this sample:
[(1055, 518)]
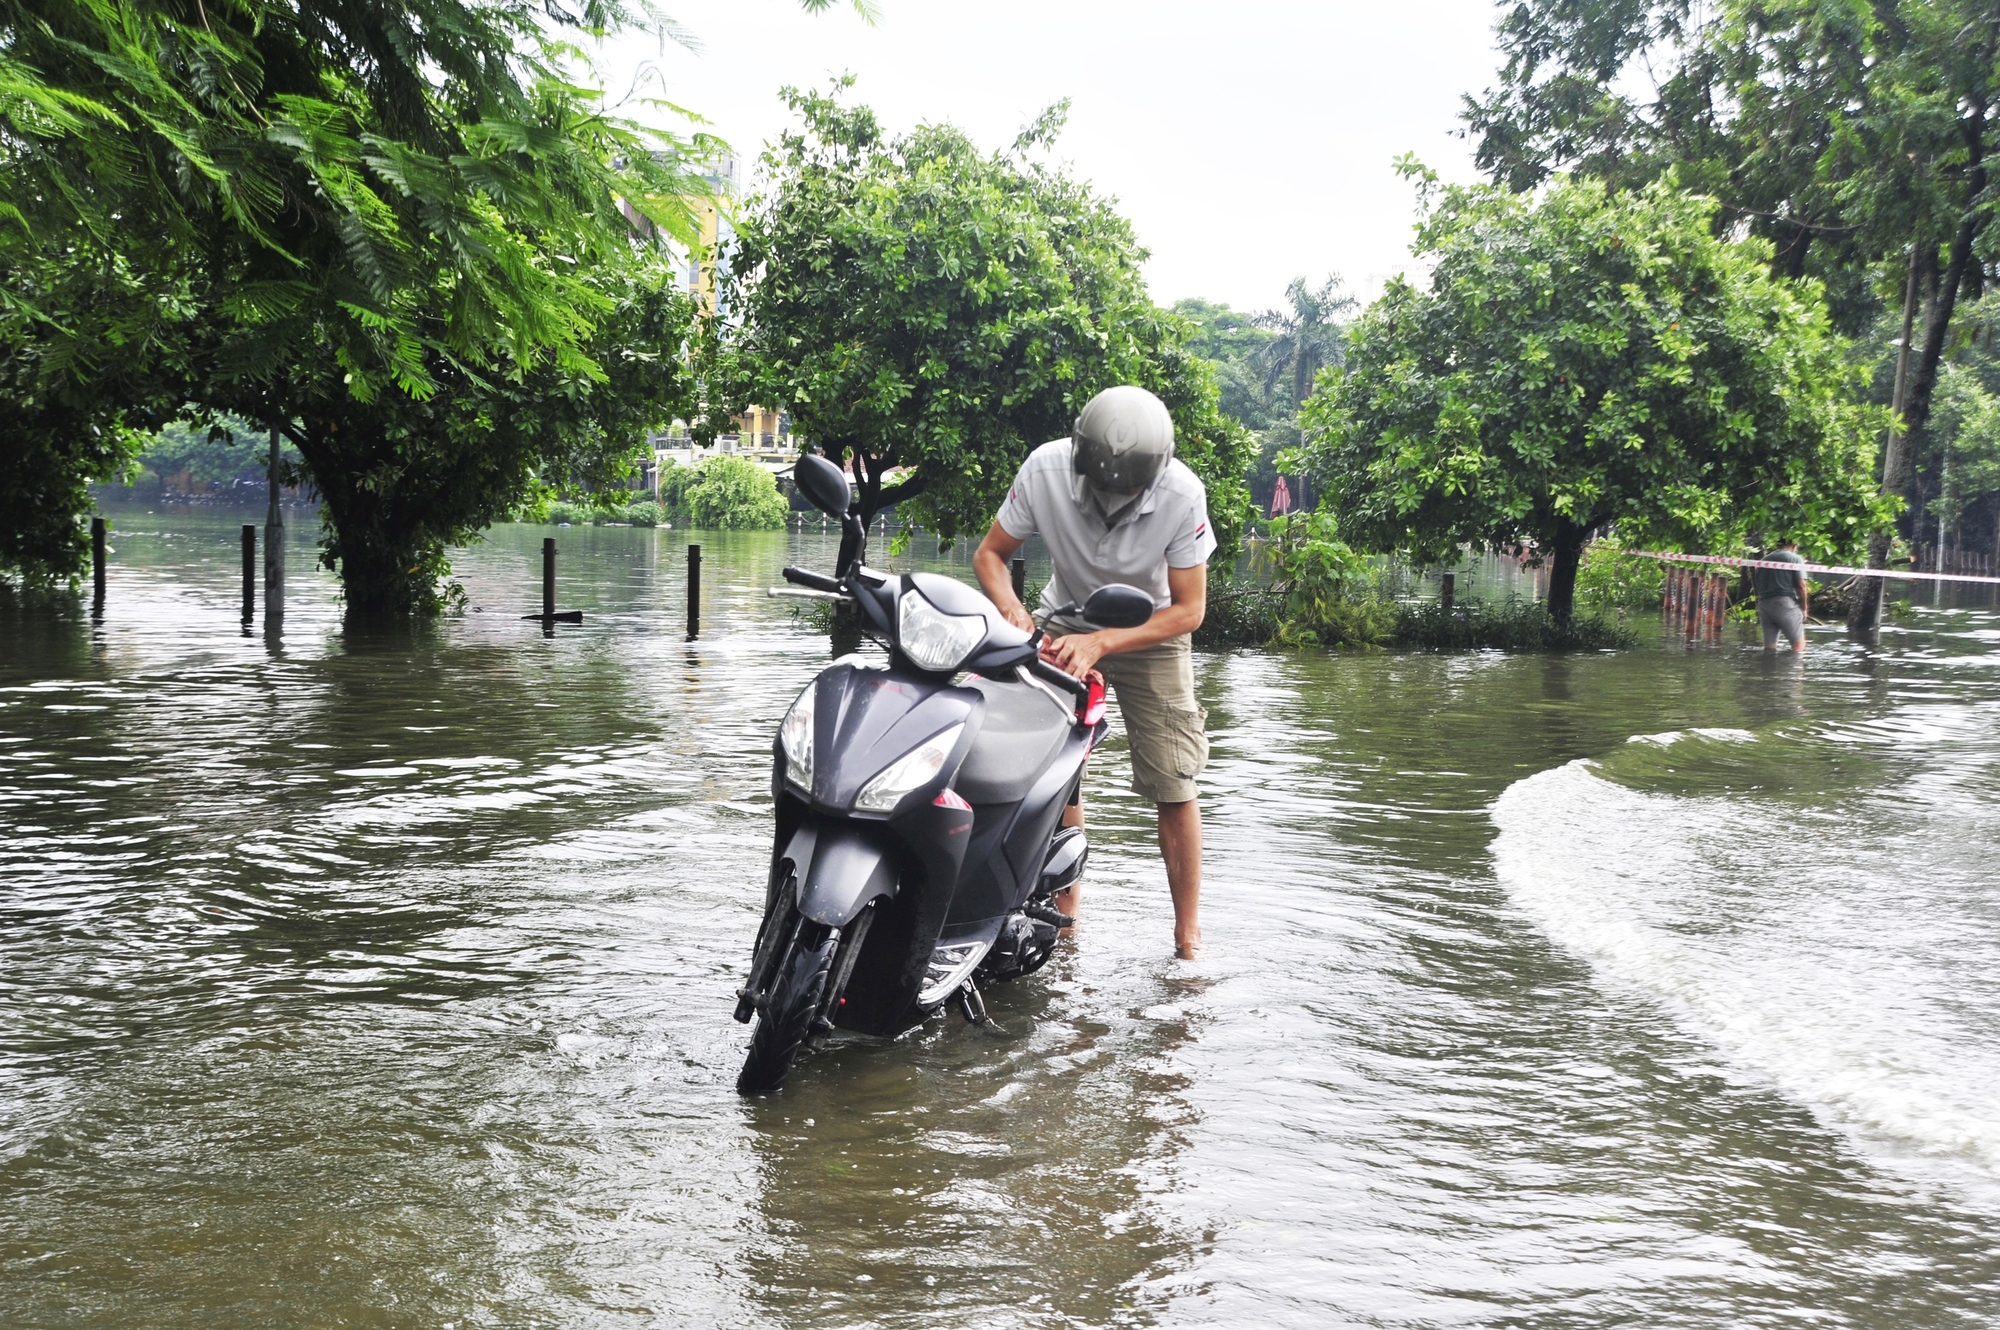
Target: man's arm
[(989, 565), (1188, 588)]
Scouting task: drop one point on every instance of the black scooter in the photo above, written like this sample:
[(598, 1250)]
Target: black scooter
[(919, 805)]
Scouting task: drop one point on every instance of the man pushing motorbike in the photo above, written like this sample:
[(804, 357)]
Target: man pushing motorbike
[(1112, 505)]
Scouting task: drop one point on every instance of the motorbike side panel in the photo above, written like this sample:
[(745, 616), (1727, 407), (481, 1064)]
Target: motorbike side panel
[(1004, 861)]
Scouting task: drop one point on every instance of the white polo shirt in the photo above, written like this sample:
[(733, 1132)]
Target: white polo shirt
[(1166, 527)]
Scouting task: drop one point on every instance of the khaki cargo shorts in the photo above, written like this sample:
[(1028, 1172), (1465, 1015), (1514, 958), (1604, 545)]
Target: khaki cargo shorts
[(1163, 726)]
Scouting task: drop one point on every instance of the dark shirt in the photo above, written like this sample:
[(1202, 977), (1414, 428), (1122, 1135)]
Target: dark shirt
[(1774, 582)]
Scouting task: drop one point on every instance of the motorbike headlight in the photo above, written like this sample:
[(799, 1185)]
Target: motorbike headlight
[(906, 773), (932, 639), (795, 736)]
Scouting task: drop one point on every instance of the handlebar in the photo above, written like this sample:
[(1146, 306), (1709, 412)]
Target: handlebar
[(817, 581), (1048, 673)]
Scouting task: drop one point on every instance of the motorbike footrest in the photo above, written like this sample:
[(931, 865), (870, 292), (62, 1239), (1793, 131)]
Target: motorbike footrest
[(1048, 914)]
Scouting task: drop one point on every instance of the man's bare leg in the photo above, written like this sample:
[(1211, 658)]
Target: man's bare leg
[(1180, 846), (1066, 899)]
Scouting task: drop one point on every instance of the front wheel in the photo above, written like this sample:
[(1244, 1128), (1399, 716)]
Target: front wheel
[(788, 1010)]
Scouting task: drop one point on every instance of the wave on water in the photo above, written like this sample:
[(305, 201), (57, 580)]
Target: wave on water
[(1845, 951)]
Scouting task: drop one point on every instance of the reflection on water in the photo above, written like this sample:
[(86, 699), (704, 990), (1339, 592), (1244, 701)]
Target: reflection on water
[(386, 981)]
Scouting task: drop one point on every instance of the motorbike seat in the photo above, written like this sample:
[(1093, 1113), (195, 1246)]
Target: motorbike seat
[(1024, 727)]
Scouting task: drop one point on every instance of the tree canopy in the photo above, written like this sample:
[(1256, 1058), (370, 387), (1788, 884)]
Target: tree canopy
[(1854, 138), (735, 494), (1583, 356), (402, 231), (916, 303), (1305, 336)]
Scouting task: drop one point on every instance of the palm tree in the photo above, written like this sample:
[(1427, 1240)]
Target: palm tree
[(1308, 337)]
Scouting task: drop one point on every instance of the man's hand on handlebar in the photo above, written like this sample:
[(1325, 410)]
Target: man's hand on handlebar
[(1017, 614), (1076, 654)]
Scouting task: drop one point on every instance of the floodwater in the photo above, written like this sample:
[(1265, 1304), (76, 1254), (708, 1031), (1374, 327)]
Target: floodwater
[(385, 981)]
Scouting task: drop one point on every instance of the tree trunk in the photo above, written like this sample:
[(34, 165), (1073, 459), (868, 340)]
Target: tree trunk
[(1569, 542), (1864, 608), (385, 571), (1865, 617)]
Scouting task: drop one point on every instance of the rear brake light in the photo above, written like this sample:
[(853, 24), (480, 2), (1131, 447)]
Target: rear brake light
[(950, 799), (1093, 705)]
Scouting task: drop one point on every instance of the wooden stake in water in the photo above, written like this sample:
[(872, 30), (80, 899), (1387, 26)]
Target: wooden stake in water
[(249, 571), (694, 592), (548, 577), (1447, 590), (274, 544), (548, 616), (97, 562)]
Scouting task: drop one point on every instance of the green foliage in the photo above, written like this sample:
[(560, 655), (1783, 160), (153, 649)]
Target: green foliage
[(73, 417), (224, 451), (675, 482), (406, 230), (1242, 612), (1584, 357), (914, 302), (1960, 455), (1305, 338), (1609, 578), (1511, 625), (735, 494), (1854, 138), (1233, 345), (1318, 575)]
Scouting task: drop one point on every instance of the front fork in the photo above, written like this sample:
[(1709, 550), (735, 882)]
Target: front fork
[(774, 943), (774, 946)]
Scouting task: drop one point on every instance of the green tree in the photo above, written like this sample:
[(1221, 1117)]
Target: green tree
[(918, 305), (230, 449), (392, 227), (1305, 336), (1855, 138), (1232, 344), (1584, 357), (735, 494)]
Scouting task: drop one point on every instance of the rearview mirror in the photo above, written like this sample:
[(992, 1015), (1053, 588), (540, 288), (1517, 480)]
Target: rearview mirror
[(823, 484), (1118, 606)]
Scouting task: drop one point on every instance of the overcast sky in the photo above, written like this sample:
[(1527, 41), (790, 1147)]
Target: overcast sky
[(1249, 143)]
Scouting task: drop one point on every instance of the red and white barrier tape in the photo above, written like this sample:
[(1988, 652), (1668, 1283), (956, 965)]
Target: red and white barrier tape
[(1810, 567)]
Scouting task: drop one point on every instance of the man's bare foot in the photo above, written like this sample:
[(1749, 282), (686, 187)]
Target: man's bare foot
[(1188, 949)]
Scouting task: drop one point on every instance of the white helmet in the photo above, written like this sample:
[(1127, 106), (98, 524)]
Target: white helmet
[(1122, 440)]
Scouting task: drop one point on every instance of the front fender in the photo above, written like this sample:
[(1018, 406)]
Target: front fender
[(841, 869)]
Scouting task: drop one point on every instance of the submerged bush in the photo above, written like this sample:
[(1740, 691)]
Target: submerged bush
[(1509, 625)]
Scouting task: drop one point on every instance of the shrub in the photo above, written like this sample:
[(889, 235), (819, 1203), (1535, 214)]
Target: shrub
[(1609, 578), (735, 494), (1242, 612), (675, 482), (1510, 625)]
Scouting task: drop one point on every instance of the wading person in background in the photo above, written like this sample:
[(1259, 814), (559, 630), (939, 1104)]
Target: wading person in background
[(1782, 598), (1113, 505)]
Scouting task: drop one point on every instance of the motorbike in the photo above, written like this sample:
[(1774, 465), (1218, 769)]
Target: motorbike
[(918, 840)]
